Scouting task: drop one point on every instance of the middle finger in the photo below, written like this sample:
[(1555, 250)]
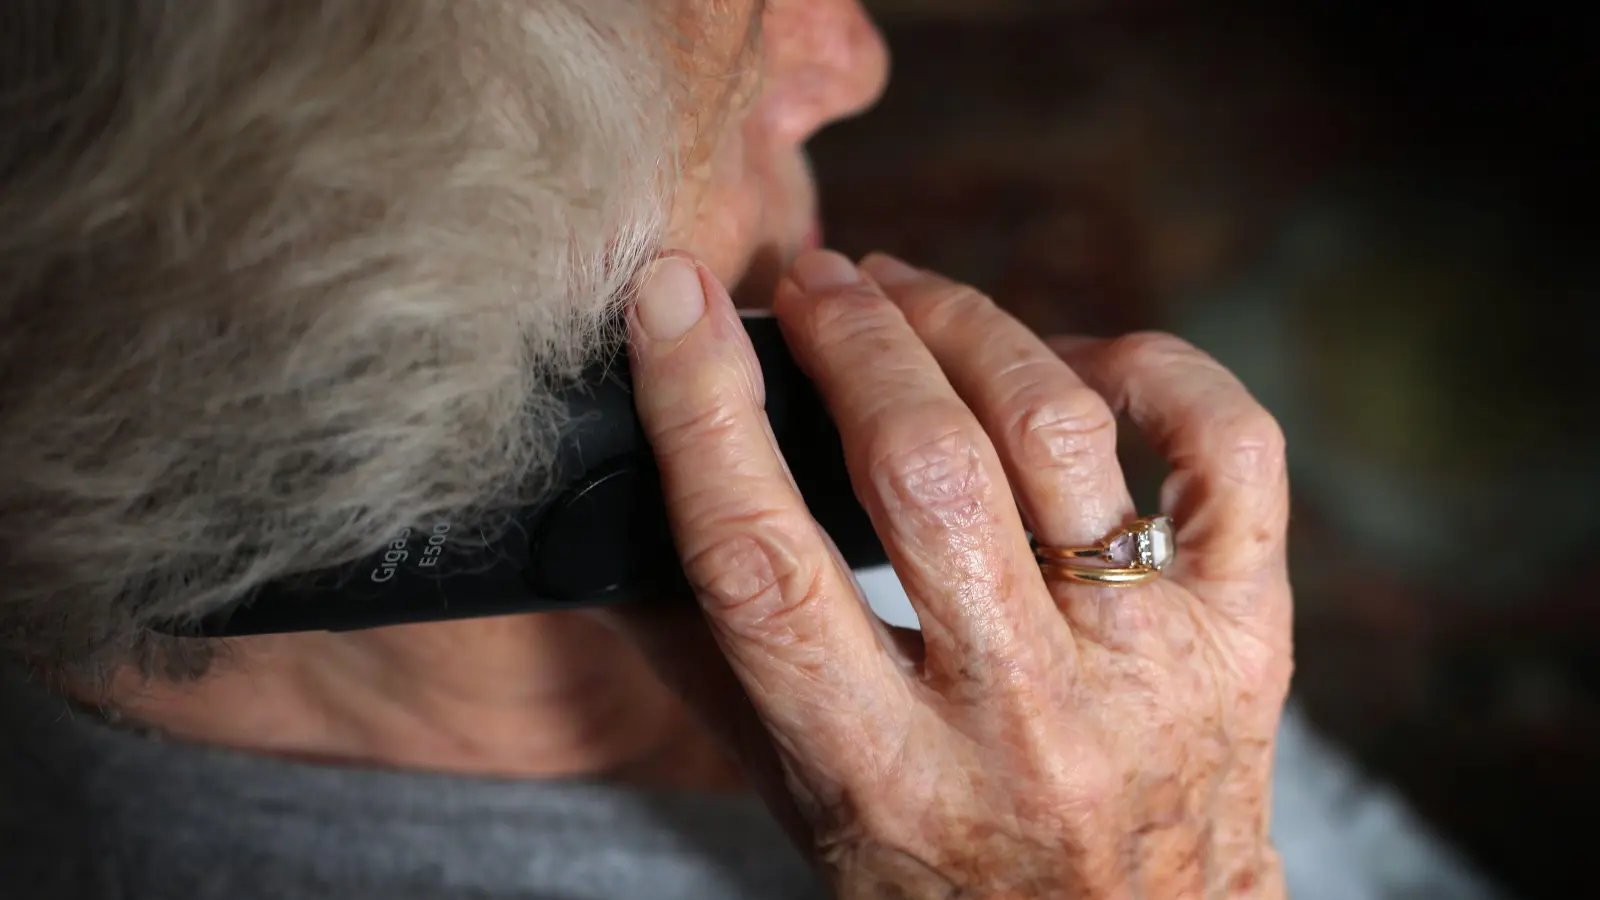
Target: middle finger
[(1057, 435), (926, 473)]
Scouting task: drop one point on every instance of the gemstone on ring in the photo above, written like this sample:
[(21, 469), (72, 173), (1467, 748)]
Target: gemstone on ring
[(1148, 542)]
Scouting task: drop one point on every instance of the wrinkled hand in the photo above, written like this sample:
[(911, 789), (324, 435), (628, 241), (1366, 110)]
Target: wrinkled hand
[(1041, 738)]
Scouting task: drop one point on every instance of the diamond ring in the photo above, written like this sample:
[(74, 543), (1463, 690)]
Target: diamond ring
[(1130, 555)]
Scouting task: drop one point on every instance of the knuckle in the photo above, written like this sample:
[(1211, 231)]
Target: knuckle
[(939, 476), (1075, 786), (1064, 429), (850, 313), (712, 422), (752, 577), (945, 305), (1154, 350), (1258, 665), (1252, 447)]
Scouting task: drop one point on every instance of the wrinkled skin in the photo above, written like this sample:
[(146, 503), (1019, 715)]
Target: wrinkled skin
[(1039, 738)]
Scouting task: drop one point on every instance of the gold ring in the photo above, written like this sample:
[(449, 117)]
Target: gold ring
[(1131, 555)]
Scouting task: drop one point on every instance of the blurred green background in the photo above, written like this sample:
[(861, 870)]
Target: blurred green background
[(1380, 216)]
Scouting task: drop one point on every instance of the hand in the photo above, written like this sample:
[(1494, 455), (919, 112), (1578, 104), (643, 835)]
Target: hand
[(1041, 738)]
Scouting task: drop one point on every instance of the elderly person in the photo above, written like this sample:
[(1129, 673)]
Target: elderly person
[(279, 277)]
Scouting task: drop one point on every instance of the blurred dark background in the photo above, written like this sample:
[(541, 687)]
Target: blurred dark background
[(1381, 217)]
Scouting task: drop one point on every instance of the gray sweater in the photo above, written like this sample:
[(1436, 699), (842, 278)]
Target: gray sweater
[(95, 813), (92, 813)]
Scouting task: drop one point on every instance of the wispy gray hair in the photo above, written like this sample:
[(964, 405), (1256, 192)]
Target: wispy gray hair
[(278, 277)]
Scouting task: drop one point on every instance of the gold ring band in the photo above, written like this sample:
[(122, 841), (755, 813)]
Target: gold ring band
[(1056, 553), (1131, 555), (1101, 574)]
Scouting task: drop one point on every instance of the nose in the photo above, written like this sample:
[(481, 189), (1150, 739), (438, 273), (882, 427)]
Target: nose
[(825, 62)]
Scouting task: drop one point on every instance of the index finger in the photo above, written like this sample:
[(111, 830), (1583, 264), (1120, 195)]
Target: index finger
[(783, 608)]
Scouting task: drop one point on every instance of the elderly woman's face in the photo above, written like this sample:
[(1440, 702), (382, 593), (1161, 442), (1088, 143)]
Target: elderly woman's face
[(768, 76)]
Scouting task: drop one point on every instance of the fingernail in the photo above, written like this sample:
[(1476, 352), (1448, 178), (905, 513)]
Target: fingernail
[(888, 271), (824, 270), (672, 300)]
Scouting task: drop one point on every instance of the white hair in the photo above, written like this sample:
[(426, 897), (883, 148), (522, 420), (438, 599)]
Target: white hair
[(278, 277)]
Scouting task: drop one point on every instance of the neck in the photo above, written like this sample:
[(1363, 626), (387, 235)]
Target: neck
[(537, 696)]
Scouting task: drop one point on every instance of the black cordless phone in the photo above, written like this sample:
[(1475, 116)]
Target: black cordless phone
[(602, 537)]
